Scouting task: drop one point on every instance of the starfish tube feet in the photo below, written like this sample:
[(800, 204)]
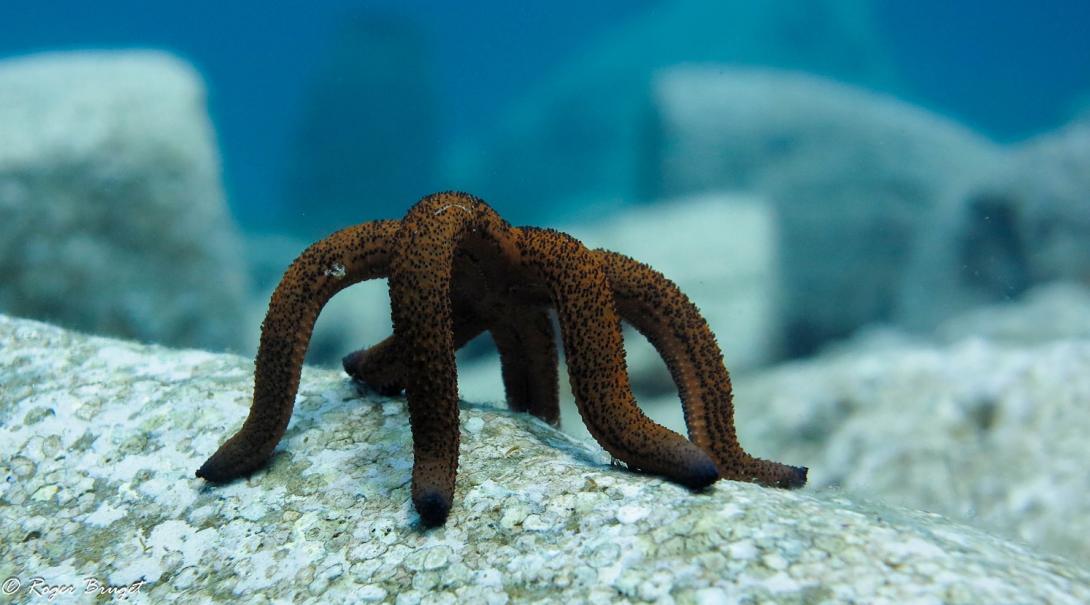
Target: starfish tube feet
[(594, 349), (795, 478), (433, 507), (529, 362), (424, 321), (380, 367)]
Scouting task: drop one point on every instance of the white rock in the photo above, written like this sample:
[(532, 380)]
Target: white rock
[(721, 251), (1021, 227), (1049, 312), (854, 552), (990, 432), (852, 175), (628, 514), (112, 214)]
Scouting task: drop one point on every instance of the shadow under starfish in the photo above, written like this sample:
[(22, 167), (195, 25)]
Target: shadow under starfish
[(456, 269)]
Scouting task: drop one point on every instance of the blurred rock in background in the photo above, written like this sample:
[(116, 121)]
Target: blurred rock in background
[(985, 422), (367, 142), (862, 185), (1054, 311), (722, 251), (852, 174), (112, 212), (1024, 225)]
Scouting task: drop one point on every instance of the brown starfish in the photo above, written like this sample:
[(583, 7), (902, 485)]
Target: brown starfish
[(456, 269)]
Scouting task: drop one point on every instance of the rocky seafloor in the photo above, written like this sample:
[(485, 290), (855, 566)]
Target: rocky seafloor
[(99, 439)]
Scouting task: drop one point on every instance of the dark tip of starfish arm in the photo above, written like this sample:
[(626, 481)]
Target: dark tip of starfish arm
[(699, 475), (220, 469), (797, 478), (212, 473), (349, 361), (432, 507), (787, 477)]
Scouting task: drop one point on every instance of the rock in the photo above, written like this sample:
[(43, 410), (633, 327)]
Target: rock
[(1046, 313), (112, 214), (99, 439), (852, 175), (989, 432), (584, 136), (1022, 226)]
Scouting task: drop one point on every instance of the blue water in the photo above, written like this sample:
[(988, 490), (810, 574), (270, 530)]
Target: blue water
[(1009, 68), (257, 56)]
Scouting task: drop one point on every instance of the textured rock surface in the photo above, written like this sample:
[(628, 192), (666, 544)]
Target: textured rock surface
[(852, 175), (112, 215), (991, 432), (99, 439), (583, 136), (1020, 227)]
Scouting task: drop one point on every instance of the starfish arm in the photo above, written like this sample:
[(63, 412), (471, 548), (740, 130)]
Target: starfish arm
[(527, 346), (527, 352), (420, 297), (344, 258), (482, 297), (380, 367), (672, 323), (594, 351)]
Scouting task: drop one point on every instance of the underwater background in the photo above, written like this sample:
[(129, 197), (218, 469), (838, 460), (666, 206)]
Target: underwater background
[(881, 208), (1009, 68), (566, 114), (347, 111)]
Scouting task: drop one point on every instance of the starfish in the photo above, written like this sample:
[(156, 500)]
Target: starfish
[(455, 270)]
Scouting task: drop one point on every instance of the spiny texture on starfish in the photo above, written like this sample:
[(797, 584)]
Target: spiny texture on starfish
[(456, 269)]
